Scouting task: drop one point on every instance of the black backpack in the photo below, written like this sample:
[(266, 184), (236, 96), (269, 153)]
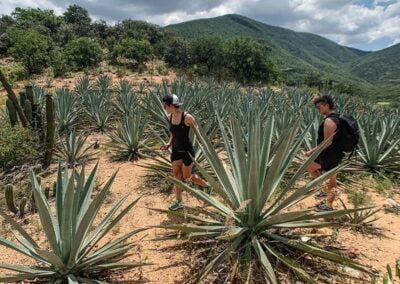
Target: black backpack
[(348, 133)]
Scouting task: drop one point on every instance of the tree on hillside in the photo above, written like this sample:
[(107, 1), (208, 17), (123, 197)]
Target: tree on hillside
[(208, 51), (79, 19), (30, 48), (176, 53), (137, 30), (139, 51), (100, 30), (6, 22), (83, 52), (44, 21), (313, 79), (248, 61)]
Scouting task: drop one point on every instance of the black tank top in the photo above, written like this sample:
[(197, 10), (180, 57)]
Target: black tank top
[(180, 135), (334, 147)]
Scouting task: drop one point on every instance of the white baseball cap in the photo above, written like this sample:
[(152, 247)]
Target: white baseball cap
[(175, 100)]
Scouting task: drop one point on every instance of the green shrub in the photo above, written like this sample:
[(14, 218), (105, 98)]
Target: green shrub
[(14, 72), (83, 52), (59, 63), (139, 51), (17, 146), (360, 198), (30, 48), (249, 61)]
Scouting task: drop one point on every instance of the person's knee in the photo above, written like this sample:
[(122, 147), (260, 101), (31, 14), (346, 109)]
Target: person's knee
[(187, 176), (332, 182), (312, 169), (177, 174)]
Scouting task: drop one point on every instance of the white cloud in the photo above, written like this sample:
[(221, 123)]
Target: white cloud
[(8, 6)]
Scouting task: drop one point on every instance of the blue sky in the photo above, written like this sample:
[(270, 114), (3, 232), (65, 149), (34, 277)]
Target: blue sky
[(363, 24)]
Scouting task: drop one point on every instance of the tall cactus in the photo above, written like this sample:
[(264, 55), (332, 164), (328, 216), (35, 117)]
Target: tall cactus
[(22, 98), (11, 95), (12, 112), (28, 110), (54, 189), (47, 192), (9, 192), (33, 204), (50, 130), (29, 93), (21, 207)]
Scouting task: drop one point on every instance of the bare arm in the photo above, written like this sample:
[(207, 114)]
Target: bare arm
[(329, 130), (190, 121)]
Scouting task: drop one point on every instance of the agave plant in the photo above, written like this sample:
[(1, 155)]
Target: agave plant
[(98, 108), (39, 95), (103, 84), (83, 87), (126, 101), (312, 136), (128, 140), (360, 217), (73, 150), (253, 218), (74, 253), (66, 110), (379, 146)]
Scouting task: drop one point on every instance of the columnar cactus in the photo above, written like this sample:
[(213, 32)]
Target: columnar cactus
[(33, 204), (50, 130), (11, 95), (47, 192), (28, 110), (12, 112), (9, 192), (21, 207), (22, 98), (54, 189)]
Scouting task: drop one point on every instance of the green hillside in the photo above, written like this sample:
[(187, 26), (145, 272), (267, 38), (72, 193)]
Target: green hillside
[(303, 49), (382, 68), (295, 51), (379, 66)]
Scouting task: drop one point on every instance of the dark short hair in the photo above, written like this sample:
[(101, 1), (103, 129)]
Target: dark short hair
[(325, 99), (168, 99)]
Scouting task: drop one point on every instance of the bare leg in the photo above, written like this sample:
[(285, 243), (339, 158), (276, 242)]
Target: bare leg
[(188, 176), (314, 170), (177, 173), (333, 192)]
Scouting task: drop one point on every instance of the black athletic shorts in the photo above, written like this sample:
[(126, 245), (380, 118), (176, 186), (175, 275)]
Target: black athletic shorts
[(183, 155), (329, 160)]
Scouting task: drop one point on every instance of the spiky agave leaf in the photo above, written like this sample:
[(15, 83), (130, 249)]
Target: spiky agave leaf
[(66, 110), (379, 149), (73, 253), (39, 96), (254, 204), (73, 150), (128, 140), (126, 100), (97, 106)]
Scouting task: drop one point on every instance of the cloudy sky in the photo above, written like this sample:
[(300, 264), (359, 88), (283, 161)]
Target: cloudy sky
[(364, 24)]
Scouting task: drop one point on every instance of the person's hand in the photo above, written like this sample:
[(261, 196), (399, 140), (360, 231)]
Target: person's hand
[(164, 147), (309, 153)]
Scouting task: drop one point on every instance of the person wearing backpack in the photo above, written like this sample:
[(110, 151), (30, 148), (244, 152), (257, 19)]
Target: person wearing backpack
[(333, 153)]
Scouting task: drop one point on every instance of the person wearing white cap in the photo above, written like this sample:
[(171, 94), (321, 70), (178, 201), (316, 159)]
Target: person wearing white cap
[(182, 147)]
